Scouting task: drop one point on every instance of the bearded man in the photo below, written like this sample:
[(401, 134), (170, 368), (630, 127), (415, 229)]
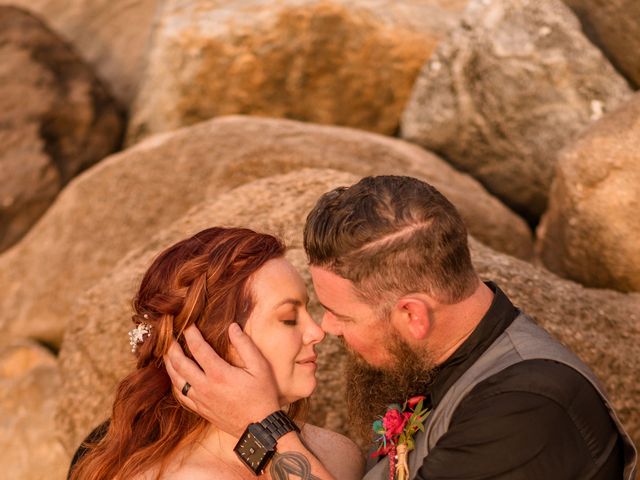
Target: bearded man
[(391, 266)]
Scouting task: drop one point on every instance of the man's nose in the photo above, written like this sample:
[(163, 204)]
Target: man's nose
[(330, 325)]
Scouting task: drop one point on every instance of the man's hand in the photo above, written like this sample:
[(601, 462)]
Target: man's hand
[(229, 397)]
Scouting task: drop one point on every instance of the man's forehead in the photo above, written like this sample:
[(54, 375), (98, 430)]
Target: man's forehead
[(334, 292)]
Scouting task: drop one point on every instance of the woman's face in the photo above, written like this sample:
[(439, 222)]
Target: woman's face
[(283, 330)]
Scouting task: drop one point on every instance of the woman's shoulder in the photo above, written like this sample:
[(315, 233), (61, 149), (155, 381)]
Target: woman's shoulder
[(338, 453)]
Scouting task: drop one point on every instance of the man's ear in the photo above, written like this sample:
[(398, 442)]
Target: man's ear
[(412, 317)]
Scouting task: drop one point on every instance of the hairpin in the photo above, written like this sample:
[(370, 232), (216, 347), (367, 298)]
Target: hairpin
[(136, 335)]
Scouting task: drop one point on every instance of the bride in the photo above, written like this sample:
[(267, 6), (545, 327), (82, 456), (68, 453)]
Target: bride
[(217, 277)]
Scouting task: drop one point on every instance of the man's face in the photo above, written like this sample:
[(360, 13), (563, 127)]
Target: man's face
[(347, 316)]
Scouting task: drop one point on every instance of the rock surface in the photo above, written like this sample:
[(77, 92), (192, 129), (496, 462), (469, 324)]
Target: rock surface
[(515, 82), (117, 205), (29, 385), (613, 25), (590, 232), (112, 35), (56, 119), (601, 326), (342, 62)]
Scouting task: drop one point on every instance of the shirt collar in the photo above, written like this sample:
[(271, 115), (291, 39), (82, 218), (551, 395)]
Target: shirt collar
[(499, 316)]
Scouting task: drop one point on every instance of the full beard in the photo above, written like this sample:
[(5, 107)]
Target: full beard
[(370, 390)]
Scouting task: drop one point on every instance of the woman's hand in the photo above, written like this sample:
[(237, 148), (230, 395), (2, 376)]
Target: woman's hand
[(229, 397)]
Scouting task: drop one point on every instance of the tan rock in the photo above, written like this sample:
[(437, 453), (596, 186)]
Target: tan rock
[(342, 62), (504, 91), (56, 119), (112, 35), (29, 385), (128, 197), (613, 25), (590, 232), (95, 353)]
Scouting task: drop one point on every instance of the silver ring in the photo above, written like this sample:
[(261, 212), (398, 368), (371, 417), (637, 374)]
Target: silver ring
[(186, 388)]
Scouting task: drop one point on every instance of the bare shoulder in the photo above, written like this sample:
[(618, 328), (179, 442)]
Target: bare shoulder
[(339, 454)]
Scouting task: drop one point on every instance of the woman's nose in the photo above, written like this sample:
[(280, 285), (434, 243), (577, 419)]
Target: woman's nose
[(313, 333)]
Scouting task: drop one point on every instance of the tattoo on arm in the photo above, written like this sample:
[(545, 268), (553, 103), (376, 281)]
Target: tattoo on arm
[(291, 465)]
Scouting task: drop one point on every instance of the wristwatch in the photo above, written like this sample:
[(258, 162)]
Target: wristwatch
[(258, 442)]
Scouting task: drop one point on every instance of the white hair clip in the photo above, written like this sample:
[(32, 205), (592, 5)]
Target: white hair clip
[(136, 335)]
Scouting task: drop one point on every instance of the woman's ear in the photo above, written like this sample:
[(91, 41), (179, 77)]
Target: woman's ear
[(412, 317)]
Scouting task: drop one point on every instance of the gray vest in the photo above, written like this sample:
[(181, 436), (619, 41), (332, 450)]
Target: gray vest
[(522, 340)]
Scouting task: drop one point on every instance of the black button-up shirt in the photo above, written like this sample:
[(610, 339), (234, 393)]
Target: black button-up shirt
[(538, 419)]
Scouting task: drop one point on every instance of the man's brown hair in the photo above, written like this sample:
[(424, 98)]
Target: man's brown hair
[(392, 235)]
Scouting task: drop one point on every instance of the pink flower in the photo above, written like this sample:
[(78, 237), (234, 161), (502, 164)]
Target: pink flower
[(394, 422), (413, 401)]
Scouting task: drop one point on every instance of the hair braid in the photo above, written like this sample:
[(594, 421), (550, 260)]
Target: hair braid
[(202, 280)]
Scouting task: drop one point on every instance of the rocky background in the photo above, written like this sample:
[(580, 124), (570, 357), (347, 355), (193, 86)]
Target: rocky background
[(126, 125)]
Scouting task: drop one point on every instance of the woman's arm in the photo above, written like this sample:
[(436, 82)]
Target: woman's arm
[(338, 454)]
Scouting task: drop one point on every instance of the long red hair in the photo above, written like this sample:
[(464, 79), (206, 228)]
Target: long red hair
[(203, 280)]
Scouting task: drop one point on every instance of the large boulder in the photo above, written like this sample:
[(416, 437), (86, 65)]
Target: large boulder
[(342, 62), (56, 119), (613, 25), (29, 386), (115, 206), (601, 326), (515, 82), (590, 232), (112, 35)]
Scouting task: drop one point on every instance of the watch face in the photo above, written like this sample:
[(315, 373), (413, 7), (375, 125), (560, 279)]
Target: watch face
[(253, 453)]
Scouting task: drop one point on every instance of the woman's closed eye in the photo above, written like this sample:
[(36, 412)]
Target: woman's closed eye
[(290, 322)]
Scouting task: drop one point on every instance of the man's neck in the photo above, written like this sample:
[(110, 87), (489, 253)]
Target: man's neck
[(455, 323)]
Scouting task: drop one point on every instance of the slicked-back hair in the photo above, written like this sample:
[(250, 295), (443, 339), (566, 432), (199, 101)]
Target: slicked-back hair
[(390, 236)]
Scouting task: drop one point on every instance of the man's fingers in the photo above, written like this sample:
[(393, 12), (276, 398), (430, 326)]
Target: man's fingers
[(178, 384), (186, 401), (176, 378), (206, 356), (181, 368), (249, 353)]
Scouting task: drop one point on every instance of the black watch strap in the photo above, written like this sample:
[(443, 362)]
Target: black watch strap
[(279, 423)]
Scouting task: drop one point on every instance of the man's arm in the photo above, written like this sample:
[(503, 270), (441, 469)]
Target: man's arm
[(231, 397)]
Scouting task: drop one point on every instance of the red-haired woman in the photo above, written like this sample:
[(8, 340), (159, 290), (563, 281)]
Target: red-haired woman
[(216, 277)]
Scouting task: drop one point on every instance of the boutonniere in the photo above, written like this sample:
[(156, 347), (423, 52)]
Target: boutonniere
[(395, 431)]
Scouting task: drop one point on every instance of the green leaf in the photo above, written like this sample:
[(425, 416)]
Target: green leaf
[(410, 444)]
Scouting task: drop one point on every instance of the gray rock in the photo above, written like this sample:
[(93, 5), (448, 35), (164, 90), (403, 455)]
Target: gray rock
[(515, 82), (341, 62), (56, 119), (112, 35), (613, 25)]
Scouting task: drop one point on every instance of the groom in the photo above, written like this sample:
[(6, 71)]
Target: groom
[(390, 264)]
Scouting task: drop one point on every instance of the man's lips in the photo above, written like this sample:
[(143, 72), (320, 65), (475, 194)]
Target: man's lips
[(308, 361)]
